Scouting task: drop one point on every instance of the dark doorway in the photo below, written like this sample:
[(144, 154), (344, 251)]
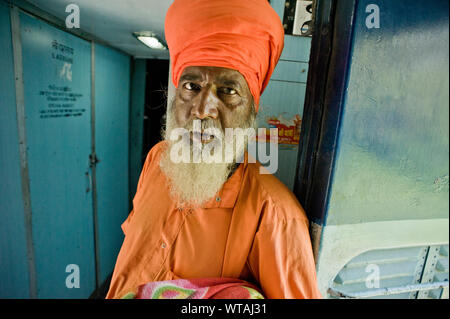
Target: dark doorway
[(155, 102)]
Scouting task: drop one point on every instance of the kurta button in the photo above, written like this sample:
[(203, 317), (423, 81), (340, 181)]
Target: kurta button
[(163, 245), (217, 199)]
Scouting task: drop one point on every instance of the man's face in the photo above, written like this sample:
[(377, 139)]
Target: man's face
[(218, 98), (216, 93)]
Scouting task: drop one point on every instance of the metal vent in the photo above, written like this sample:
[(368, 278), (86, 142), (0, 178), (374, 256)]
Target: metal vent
[(436, 270), (399, 273)]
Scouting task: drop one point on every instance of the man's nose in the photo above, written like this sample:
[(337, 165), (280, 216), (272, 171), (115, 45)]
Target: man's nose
[(206, 105)]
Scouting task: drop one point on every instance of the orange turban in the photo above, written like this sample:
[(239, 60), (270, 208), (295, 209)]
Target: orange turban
[(244, 35)]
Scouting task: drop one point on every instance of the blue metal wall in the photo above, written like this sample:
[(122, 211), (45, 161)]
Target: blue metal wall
[(112, 96), (14, 280), (57, 112), (393, 155), (390, 180), (57, 119)]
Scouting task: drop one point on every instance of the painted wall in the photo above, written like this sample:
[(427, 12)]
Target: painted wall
[(57, 125), (394, 147), (57, 116), (14, 282), (390, 180), (284, 96), (112, 98)]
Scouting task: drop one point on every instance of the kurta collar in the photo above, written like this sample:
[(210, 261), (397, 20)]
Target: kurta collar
[(226, 197)]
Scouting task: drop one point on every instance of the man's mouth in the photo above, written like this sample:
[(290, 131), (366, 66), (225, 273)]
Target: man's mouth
[(201, 137)]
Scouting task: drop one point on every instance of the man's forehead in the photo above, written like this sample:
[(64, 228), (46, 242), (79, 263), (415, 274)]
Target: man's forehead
[(217, 74)]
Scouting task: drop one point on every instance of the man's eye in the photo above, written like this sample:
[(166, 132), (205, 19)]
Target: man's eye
[(191, 86), (228, 91)]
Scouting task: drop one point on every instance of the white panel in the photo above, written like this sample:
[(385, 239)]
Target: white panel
[(397, 267)]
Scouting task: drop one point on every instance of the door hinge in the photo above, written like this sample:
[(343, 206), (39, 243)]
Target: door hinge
[(93, 160)]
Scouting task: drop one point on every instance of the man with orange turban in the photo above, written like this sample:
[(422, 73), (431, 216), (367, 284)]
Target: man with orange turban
[(220, 219)]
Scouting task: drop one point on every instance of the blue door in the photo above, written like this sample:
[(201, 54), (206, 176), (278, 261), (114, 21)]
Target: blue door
[(112, 87), (14, 276), (57, 91)]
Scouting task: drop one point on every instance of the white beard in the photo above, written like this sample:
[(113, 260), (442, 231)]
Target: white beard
[(193, 184)]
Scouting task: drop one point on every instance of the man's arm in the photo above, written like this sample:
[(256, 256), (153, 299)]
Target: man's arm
[(282, 261), (148, 160)]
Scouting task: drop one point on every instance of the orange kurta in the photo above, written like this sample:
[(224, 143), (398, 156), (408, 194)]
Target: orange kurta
[(254, 230)]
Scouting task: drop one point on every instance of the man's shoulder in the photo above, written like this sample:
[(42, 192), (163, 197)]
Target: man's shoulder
[(274, 193), (157, 149), (155, 152), (152, 159)]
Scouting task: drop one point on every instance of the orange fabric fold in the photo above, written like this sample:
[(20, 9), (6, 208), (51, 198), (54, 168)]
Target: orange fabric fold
[(253, 230), (246, 36)]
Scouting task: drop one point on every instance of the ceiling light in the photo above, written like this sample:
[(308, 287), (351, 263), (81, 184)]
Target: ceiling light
[(150, 39)]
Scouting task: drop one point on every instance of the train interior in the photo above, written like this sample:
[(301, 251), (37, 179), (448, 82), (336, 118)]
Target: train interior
[(360, 99)]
